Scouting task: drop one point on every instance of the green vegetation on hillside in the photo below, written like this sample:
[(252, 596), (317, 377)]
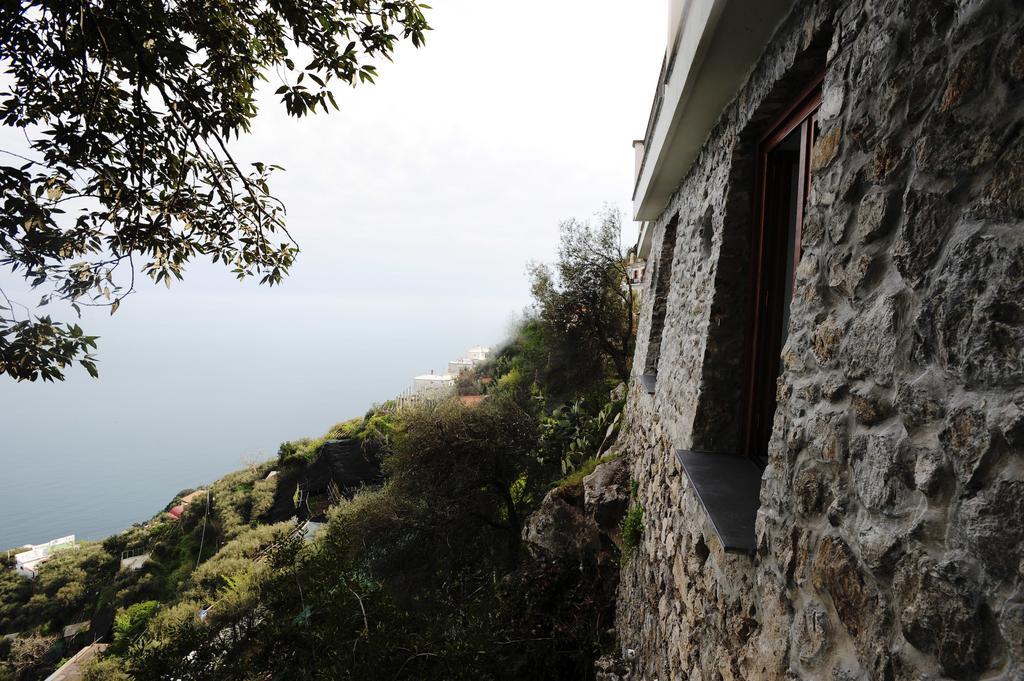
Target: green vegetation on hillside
[(421, 573)]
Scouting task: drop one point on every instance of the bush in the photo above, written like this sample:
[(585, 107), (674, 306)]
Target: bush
[(572, 433), (632, 530), (299, 452), (106, 669), (130, 623), (460, 466)]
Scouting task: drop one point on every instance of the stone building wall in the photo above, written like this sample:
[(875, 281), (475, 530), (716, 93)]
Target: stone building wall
[(891, 530)]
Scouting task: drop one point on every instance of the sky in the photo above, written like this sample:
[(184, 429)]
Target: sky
[(417, 208)]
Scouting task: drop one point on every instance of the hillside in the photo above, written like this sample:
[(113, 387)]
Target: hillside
[(449, 539)]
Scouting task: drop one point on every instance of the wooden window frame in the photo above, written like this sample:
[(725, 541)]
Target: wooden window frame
[(764, 277)]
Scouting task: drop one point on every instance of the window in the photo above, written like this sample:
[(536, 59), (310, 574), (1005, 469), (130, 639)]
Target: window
[(782, 184), (725, 470), (661, 276)]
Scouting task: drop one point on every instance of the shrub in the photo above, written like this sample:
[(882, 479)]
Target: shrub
[(573, 433), (301, 451), (460, 466), (130, 623), (105, 669), (632, 530)]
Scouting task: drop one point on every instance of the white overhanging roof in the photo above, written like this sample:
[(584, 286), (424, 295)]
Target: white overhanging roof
[(718, 43)]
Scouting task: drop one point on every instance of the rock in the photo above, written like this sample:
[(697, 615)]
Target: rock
[(828, 435), (918, 402), (942, 614), (606, 496), (942, 151), (1003, 195), (972, 321), (874, 216), (868, 409), (965, 79), (1011, 624), (966, 440), (923, 229), (835, 572), (833, 388), (990, 525), (813, 634), (560, 529), (1010, 422), (871, 344), (929, 470), (880, 546), (886, 158), (1010, 60), (879, 474), (808, 493), (611, 668), (826, 147), (825, 340)]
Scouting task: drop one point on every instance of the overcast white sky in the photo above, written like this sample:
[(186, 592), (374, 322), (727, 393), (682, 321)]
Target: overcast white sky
[(417, 208)]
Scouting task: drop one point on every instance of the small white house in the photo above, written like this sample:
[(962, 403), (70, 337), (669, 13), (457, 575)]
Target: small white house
[(27, 563), (457, 366), (478, 354), (433, 383)]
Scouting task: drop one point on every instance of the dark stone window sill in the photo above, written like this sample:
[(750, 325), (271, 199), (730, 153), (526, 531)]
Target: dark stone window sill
[(729, 489), (649, 381)]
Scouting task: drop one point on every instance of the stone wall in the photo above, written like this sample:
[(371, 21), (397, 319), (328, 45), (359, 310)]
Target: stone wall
[(891, 530)]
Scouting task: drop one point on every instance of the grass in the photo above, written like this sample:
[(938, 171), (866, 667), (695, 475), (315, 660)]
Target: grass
[(575, 479)]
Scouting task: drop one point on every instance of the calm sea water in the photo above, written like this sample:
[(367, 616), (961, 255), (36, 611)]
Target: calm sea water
[(180, 405), (94, 468)]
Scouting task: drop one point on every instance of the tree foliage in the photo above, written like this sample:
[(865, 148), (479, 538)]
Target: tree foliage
[(128, 110), (583, 303)]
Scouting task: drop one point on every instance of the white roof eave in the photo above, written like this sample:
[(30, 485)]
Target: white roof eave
[(718, 45)]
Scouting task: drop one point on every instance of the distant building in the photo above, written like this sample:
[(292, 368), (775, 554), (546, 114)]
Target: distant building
[(457, 366), (435, 386), (431, 383), (478, 354), (27, 563), (177, 510), (636, 268), (73, 630), (473, 356), (134, 559)]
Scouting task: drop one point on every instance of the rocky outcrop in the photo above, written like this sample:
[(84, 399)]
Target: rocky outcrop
[(560, 529), (577, 522), (341, 467), (606, 496)]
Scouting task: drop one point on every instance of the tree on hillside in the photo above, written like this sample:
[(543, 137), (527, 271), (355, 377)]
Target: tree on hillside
[(472, 472), (127, 110), (583, 302)]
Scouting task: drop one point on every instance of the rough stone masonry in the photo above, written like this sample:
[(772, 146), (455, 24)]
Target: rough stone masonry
[(890, 536)]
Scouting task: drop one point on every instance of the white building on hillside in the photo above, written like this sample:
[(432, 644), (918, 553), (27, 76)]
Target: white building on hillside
[(432, 383), (434, 386), (27, 563), (478, 354), (457, 366)]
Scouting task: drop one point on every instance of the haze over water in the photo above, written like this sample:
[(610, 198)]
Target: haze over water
[(417, 208)]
